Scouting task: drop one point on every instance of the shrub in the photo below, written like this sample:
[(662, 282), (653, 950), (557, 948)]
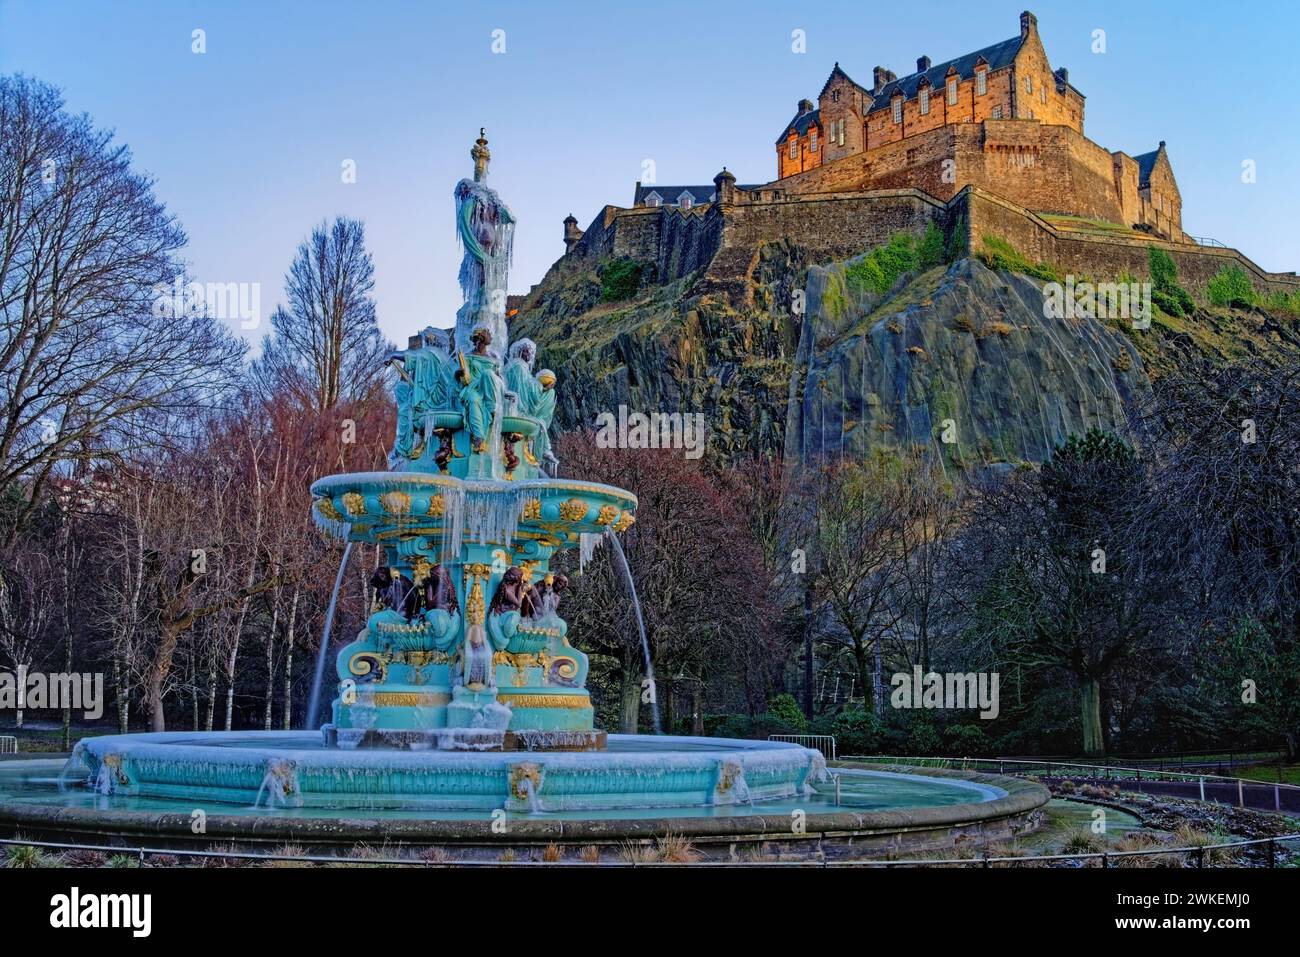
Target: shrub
[(966, 739), (879, 269), (1283, 302), (1231, 287), (856, 731), (619, 279), (923, 739), (1165, 291), (997, 253), (785, 709), (25, 856)]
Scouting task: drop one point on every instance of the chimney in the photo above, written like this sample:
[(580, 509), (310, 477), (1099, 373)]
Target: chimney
[(1062, 77), (922, 64), (880, 78), (571, 232), (1028, 24), (805, 106)]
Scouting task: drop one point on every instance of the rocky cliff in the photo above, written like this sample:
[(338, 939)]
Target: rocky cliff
[(958, 357)]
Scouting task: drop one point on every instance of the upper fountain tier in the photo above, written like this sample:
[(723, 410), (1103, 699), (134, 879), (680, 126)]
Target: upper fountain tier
[(401, 506), (472, 434)]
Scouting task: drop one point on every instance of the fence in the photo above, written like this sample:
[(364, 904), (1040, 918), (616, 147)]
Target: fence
[(818, 742), (1264, 795), (1197, 856), (8, 744)]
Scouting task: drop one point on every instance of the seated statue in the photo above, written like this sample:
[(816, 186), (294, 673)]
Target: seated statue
[(439, 609), (431, 369), (543, 410), (402, 441), (517, 621), (480, 392), (546, 600)]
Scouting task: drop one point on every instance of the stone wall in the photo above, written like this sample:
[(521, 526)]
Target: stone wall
[(724, 240), (1100, 257), (1039, 166)]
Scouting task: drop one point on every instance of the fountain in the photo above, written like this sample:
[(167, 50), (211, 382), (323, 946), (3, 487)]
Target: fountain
[(463, 694)]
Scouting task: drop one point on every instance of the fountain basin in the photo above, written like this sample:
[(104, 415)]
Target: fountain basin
[(868, 811), (295, 769)]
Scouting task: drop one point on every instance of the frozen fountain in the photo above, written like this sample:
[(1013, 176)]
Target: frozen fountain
[(463, 700), (463, 691)]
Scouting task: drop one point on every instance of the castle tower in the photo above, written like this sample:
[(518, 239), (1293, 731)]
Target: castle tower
[(571, 232), (725, 187)]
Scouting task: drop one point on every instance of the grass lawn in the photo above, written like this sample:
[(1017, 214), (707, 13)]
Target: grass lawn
[(1290, 773)]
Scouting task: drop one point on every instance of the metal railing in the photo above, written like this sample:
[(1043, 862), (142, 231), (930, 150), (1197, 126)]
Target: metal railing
[(8, 744), (1047, 767), (1199, 855), (1207, 241), (818, 742)]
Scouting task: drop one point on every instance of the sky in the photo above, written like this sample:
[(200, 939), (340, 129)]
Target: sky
[(248, 141)]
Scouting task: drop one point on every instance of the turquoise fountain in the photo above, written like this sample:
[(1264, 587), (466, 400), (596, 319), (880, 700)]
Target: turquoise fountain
[(465, 649), (463, 692)]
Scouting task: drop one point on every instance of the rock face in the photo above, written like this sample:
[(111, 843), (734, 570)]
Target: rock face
[(670, 349), (959, 351), (960, 359)]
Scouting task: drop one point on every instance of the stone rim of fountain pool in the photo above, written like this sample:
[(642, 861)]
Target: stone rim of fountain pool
[(839, 834)]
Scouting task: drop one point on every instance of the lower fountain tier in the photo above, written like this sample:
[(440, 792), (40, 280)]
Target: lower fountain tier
[(295, 769)]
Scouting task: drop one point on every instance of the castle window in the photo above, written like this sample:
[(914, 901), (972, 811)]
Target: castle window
[(1029, 83), (898, 109), (841, 136), (835, 96), (794, 148), (981, 82), (1042, 94), (654, 199), (997, 113), (924, 97), (952, 91), (685, 200), (812, 141)]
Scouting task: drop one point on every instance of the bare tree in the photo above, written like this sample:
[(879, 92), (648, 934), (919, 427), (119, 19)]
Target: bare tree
[(850, 522), (325, 347), (92, 358)]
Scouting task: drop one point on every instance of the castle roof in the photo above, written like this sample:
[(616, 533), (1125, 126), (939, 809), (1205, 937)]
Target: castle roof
[(800, 123), (837, 72), (997, 56), (670, 194), (1146, 163)]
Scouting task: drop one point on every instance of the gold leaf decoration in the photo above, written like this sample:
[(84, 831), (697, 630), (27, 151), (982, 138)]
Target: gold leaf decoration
[(354, 502), (533, 508), (625, 522), (396, 502), (437, 506), (607, 514), (574, 510), (326, 507)]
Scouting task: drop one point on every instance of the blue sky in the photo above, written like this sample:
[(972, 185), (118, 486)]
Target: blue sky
[(247, 140)]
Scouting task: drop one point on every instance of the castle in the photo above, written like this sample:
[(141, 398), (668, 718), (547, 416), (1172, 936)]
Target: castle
[(990, 143), (1000, 118)]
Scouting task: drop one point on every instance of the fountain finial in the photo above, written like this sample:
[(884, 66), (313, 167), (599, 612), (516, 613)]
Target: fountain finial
[(481, 155)]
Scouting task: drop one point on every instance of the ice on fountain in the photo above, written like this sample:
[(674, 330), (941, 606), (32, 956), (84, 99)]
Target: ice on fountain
[(587, 544), (481, 215), (486, 513), (492, 716)]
